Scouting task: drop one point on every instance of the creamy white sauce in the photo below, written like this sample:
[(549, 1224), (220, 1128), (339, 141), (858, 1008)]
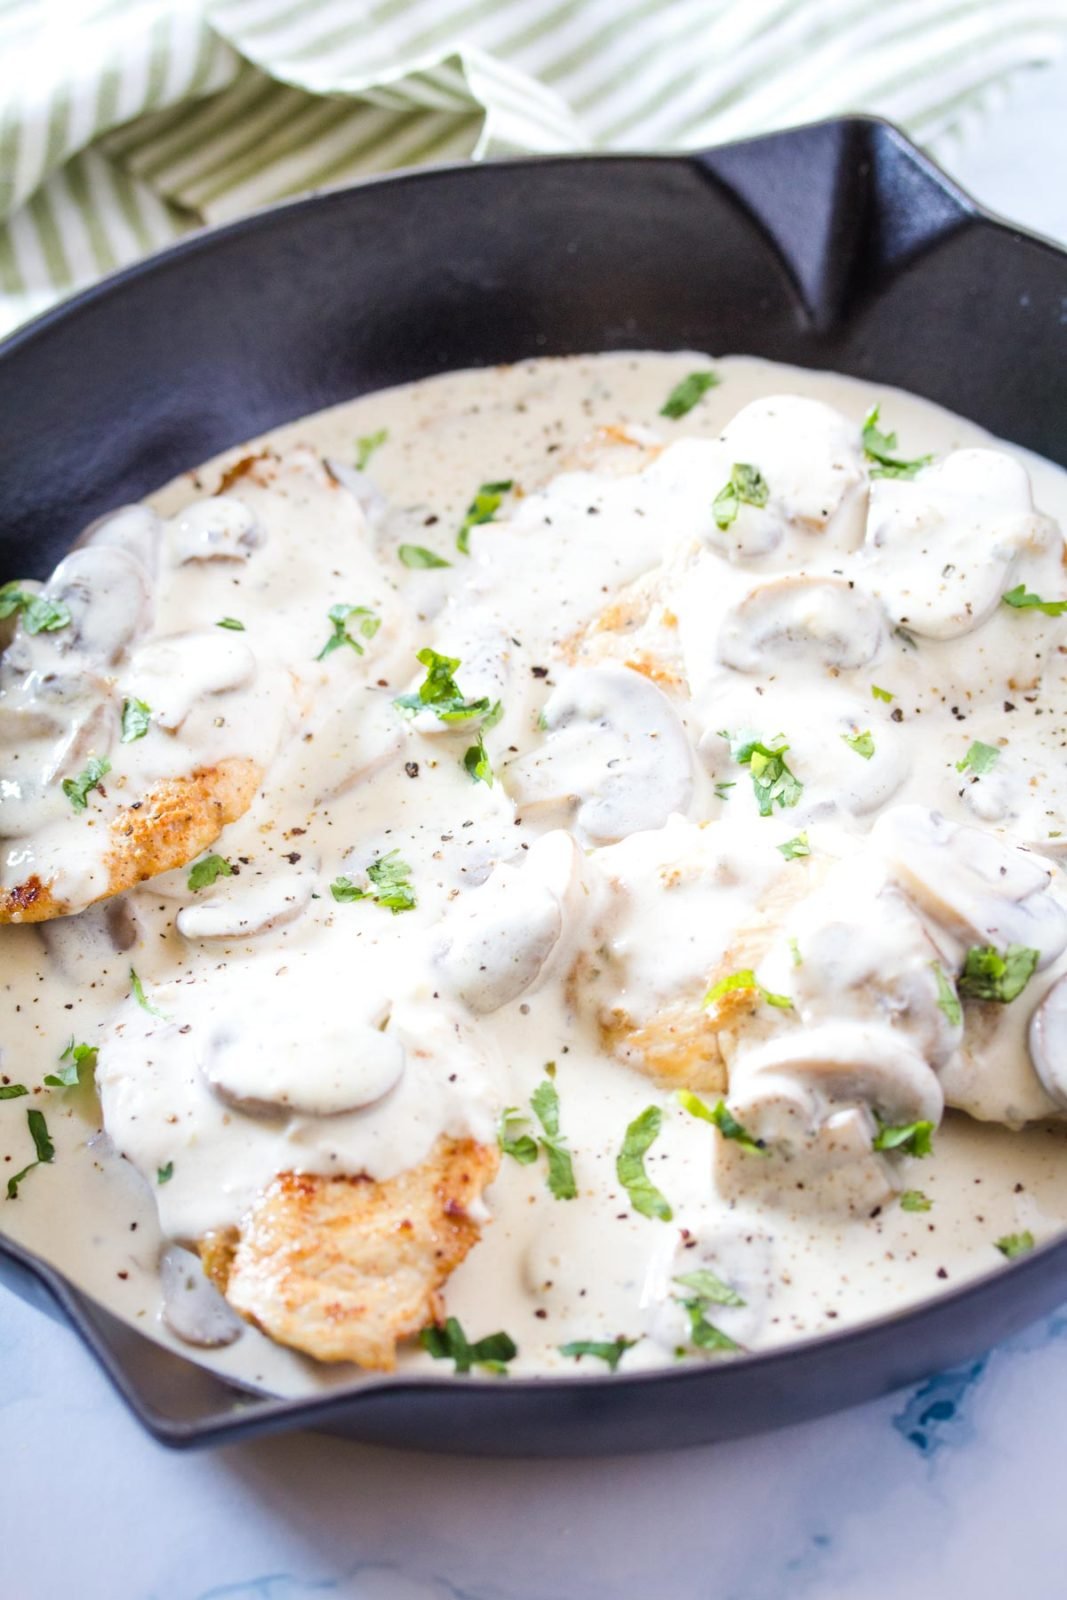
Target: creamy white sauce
[(595, 886)]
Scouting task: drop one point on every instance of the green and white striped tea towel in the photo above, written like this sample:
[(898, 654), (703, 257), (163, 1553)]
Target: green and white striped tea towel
[(124, 123)]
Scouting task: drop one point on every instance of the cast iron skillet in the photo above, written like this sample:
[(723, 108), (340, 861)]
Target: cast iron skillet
[(837, 246)]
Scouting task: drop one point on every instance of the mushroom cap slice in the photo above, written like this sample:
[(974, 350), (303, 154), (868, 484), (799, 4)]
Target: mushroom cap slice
[(979, 889), (344, 1268), (802, 621), (616, 754), (239, 909), (1048, 1042)]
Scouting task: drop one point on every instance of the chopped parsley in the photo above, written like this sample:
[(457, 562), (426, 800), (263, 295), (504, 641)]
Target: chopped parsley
[(708, 1290), (136, 720), (988, 975), (39, 614), (77, 789), (448, 1342), (483, 508), (746, 979), (366, 447), (142, 999), (685, 395), (980, 759), (611, 1351), (204, 873), (417, 555), (915, 1200), (630, 1165), (522, 1148), (794, 951), (73, 1059), (1015, 1244), (1020, 599), (881, 449), (340, 616), (13, 1091), (881, 694), (721, 1117), (440, 693), (909, 1138), (862, 743), (165, 1174), (231, 623), (747, 486), (721, 788), (545, 1102), (391, 885), (773, 782), (44, 1147), (797, 846), (476, 760), (947, 998)]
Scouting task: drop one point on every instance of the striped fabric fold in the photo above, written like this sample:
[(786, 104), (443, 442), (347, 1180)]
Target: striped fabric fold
[(124, 123)]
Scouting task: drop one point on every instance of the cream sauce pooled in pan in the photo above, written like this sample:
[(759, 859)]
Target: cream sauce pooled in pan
[(705, 875)]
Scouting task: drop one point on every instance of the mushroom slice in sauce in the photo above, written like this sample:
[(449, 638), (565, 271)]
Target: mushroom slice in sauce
[(976, 888), (220, 529), (503, 938), (616, 755), (1048, 1042), (239, 908), (193, 1308), (797, 622)]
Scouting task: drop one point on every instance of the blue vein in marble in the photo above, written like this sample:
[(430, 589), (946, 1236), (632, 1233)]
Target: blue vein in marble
[(934, 1415)]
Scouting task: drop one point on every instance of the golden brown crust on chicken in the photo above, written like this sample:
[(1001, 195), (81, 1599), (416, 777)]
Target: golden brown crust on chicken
[(167, 828), (342, 1268), (679, 1047)]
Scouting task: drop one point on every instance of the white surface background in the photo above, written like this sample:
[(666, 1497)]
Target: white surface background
[(954, 1490)]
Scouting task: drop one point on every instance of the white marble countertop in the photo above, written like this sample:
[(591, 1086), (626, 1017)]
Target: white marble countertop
[(953, 1489)]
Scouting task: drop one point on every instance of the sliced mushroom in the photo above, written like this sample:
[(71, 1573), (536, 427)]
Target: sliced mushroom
[(810, 459), (823, 622), (977, 888), (1048, 1042), (616, 754), (135, 529), (503, 938), (173, 674), (270, 1064), (219, 529), (371, 501), (241, 907), (82, 946), (107, 593), (941, 547), (193, 1308)]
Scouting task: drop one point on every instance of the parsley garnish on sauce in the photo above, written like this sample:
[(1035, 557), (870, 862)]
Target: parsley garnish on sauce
[(947, 998), (523, 1148), (881, 694), (630, 1166), (231, 623), (797, 846), (204, 873), (391, 885), (862, 743), (441, 694), (165, 1174), (483, 508), (611, 1351), (136, 720), (1021, 600), (915, 1200), (745, 979), (13, 1091), (747, 486), (707, 1290), (39, 614), (77, 790), (980, 759), (773, 782), (142, 999), (43, 1145), (340, 616), (685, 395), (1015, 1244), (988, 975), (880, 448), (73, 1059), (721, 1117), (366, 447), (417, 555), (909, 1139), (448, 1342), (477, 762)]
